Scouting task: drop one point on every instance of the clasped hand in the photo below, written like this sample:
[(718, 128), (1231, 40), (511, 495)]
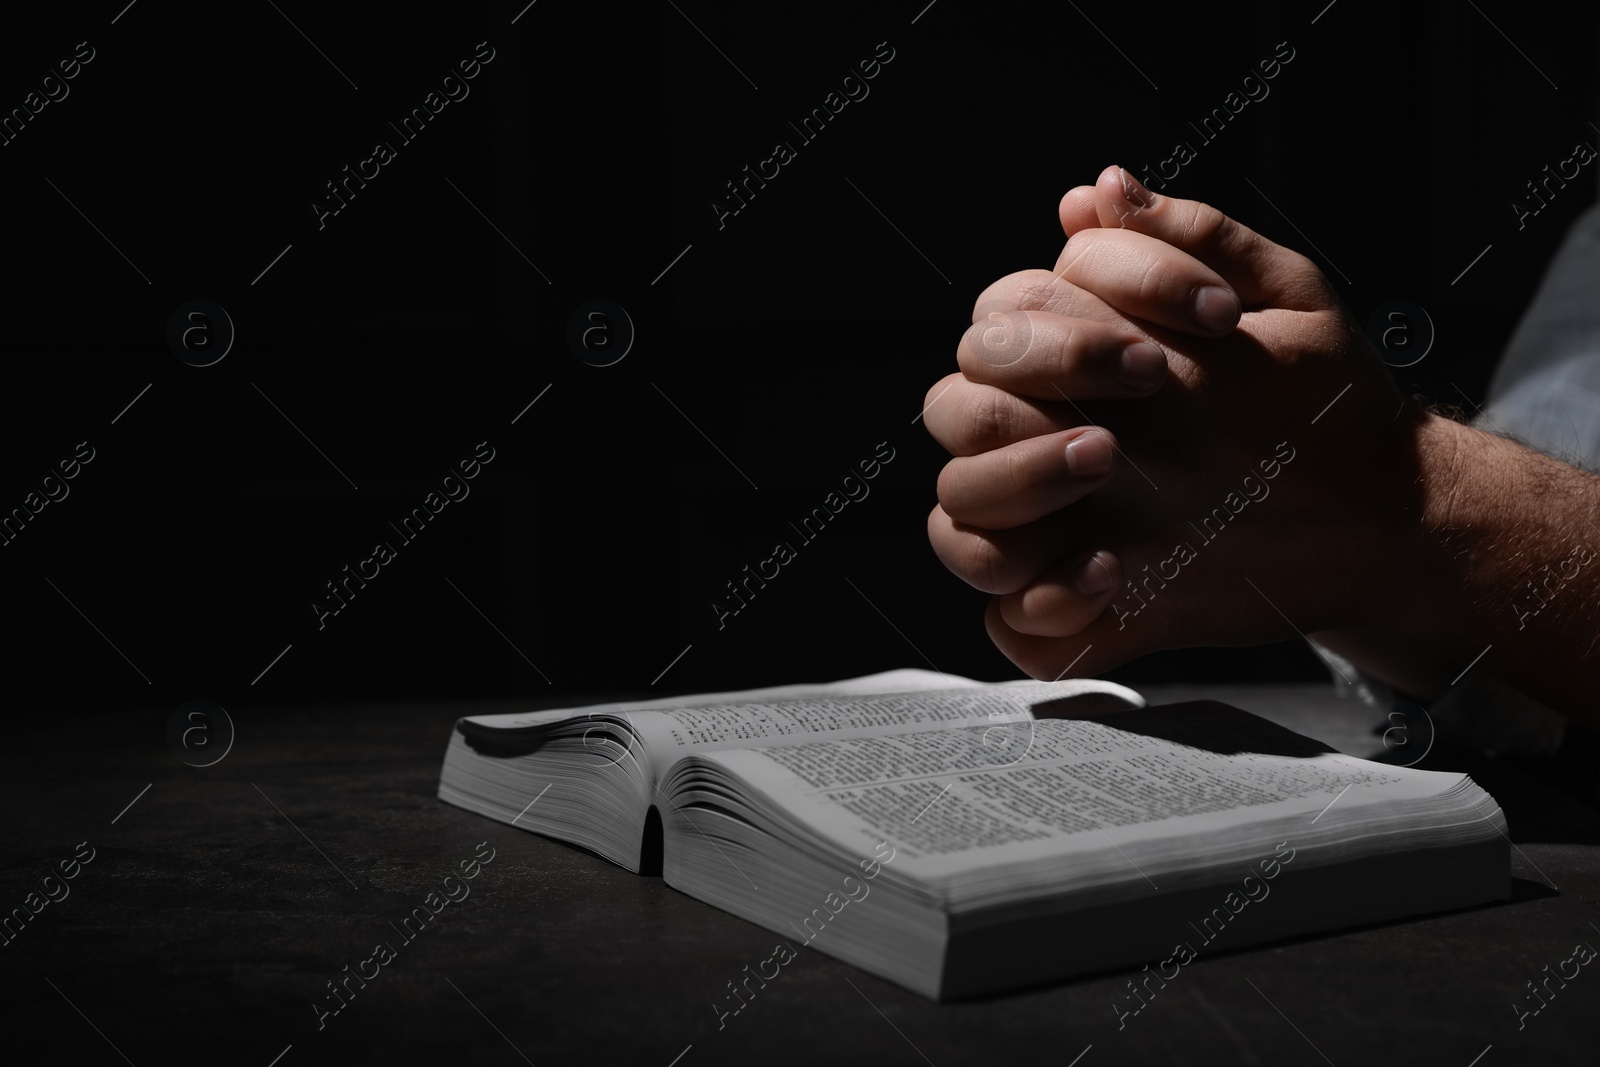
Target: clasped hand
[(1176, 437)]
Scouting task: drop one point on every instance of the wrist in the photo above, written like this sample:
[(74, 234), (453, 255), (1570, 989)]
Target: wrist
[(1419, 618), (1467, 482), (1502, 532)]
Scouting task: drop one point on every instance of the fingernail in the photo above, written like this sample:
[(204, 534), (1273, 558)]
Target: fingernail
[(1089, 455), (1135, 193), (1092, 577), (1144, 366), (1216, 308)]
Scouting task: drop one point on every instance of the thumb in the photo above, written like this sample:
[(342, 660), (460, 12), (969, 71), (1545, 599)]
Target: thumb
[(1264, 273)]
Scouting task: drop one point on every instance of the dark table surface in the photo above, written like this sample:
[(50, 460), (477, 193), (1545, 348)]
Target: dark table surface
[(219, 904)]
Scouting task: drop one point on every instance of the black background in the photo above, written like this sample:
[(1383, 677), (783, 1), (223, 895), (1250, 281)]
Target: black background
[(795, 337)]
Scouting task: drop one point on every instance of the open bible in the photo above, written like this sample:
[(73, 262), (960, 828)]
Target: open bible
[(960, 838)]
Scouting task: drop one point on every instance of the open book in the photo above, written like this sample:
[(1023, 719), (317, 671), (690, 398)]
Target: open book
[(959, 838)]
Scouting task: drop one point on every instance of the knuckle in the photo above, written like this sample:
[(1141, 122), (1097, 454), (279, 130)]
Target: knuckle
[(1080, 247), (1032, 655), (938, 389), (1064, 346), (1315, 280), (987, 422), (1201, 226), (943, 536), (1034, 290), (1017, 474), (1023, 290), (1155, 283), (1303, 282), (1074, 249), (971, 341), (1035, 658), (1003, 339), (947, 488), (984, 565), (1302, 263)]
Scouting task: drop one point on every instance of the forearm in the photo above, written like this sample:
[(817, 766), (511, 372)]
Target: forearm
[(1505, 558)]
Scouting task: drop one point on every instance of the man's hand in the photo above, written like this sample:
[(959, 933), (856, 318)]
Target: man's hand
[(1273, 483)]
